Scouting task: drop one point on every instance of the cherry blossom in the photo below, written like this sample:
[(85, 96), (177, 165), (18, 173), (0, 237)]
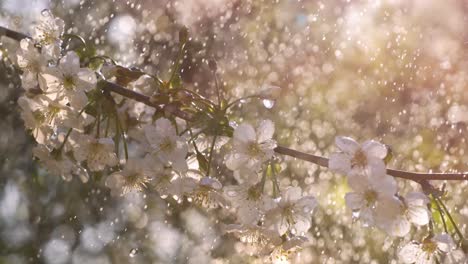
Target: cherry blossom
[(396, 215), (358, 159), (250, 148), (97, 152), (68, 81), (428, 250), (207, 192), (250, 201), (31, 62), (134, 177), (368, 194), (48, 33), (167, 147), (292, 213), (56, 163), (42, 116)]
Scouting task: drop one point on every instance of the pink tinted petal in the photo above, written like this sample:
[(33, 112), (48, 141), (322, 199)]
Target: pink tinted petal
[(236, 161), (374, 149), (265, 130), (416, 199), (340, 163), (292, 194), (244, 133), (418, 215), (70, 63), (376, 167), (86, 79), (409, 253), (354, 201), (347, 144)]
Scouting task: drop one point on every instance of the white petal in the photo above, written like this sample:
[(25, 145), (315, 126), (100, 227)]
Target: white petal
[(347, 144), (418, 215), (354, 201), (78, 99), (358, 182), (374, 149), (86, 79), (164, 128), (444, 242), (385, 185), (235, 161), (306, 205), (416, 199), (400, 227), (339, 162), (376, 167), (70, 63), (244, 133), (409, 253), (265, 130), (292, 194)]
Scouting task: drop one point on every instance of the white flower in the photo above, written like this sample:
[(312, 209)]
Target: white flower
[(206, 193), (166, 146), (353, 159), (255, 235), (97, 152), (251, 149), (426, 251), (293, 212), (31, 62), (48, 34), (250, 201), (283, 253), (42, 116), (56, 164), (395, 216), (68, 81), (368, 193), (134, 177)]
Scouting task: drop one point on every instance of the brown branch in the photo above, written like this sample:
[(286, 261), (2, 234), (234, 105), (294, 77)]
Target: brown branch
[(421, 178)]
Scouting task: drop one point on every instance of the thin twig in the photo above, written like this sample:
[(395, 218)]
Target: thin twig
[(322, 161)]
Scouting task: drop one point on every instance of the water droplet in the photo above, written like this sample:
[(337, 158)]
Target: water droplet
[(46, 13), (268, 103), (133, 252)]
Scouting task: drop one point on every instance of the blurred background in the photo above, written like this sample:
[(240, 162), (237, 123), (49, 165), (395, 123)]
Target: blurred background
[(390, 70)]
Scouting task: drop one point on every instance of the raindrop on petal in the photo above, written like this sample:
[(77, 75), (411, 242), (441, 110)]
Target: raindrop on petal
[(133, 252), (268, 103)]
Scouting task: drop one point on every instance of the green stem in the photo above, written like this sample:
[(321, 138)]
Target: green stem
[(441, 212), (177, 63), (242, 99), (121, 133), (451, 219), (213, 142)]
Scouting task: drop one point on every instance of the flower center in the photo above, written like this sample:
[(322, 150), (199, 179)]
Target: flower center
[(68, 82), (254, 193), (429, 246), (254, 149), (359, 159), (370, 196), (166, 145)]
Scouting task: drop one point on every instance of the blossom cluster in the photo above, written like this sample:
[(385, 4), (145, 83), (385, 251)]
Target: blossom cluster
[(82, 130), (376, 202)]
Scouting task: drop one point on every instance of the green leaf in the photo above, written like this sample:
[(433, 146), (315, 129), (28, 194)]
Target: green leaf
[(85, 52), (176, 82)]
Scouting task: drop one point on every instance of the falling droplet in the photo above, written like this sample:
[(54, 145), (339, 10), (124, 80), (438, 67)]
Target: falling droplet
[(133, 252), (46, 13), (268, 103)]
